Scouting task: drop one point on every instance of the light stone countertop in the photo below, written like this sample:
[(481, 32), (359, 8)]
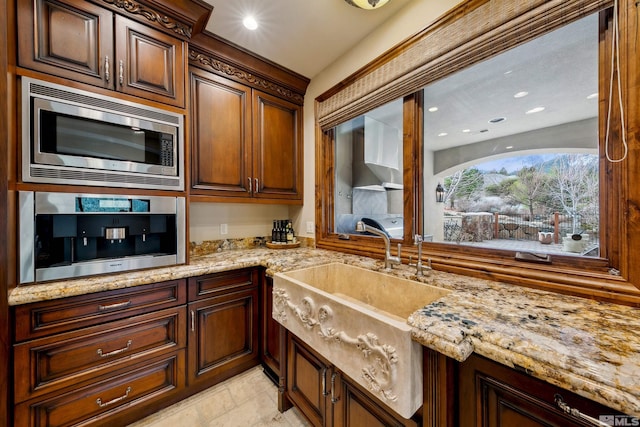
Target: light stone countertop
[(591, 348)]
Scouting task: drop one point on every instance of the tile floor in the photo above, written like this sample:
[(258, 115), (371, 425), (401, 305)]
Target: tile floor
[(248, 399)]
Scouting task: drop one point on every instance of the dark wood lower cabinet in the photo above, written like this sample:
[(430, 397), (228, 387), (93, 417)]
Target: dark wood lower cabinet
[(492, 395), (326, 397), (110, 400), (113, 357), (223, 337), (271, 331)]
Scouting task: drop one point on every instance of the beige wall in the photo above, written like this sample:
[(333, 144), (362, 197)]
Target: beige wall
[(246, 220)]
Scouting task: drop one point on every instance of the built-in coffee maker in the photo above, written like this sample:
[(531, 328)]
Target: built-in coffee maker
[(66, 235)]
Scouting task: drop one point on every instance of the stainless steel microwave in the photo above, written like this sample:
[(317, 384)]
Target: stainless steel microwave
[(72, 136)]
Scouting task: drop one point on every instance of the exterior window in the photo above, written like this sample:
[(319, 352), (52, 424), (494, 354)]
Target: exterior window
[(513, 144)]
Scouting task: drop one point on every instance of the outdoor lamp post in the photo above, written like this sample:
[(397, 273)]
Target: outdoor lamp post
[(439, 193)]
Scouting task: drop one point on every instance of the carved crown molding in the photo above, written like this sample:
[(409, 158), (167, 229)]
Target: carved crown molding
[(152, 15), (232, 71)]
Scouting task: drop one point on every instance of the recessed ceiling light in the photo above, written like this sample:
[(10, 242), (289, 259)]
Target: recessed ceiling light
[(593, 96), (521, 94), (498, 120), (250, 22), (506, 73), (535, 110), (508, 147), (433, 109), (443, 134), (466, 130)]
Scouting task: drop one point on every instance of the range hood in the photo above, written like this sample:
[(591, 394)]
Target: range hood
[(377, 156)]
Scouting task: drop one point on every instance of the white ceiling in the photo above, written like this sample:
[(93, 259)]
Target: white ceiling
[(304, 36)]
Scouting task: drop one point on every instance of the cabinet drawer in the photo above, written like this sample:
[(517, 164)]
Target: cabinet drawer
[(217, 283), (55, 316), (145, 384), (52, 363)]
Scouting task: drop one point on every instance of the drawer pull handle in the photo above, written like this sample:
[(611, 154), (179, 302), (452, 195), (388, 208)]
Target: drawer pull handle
[(116, 400), (576, 413), (112, 306), (193, 321), (114, 352), (107, 74), (257, 190), (250, 188), (121, 73)]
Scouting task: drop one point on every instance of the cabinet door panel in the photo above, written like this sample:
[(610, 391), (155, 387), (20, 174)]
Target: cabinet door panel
[(277, 152), (224, 333), (73, 40), (150, 63), (147, 384), (307, 382), (221, 136), (270, 332), (355, 409), (53, 363)]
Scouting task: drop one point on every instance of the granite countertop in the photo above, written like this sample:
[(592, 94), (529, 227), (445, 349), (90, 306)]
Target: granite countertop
[(591, 348)]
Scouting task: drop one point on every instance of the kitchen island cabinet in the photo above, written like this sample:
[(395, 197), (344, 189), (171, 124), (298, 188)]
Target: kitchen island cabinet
[(84, 42)]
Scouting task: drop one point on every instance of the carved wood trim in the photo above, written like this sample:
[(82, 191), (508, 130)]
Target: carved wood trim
[(135, 8), (438, 383), (211, 63)]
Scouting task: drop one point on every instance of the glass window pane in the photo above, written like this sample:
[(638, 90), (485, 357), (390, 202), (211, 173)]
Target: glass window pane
[(513, 144), (368, 173)]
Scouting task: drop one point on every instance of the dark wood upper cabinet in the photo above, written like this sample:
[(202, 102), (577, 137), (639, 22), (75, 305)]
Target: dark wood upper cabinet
[(246, 144), (277, 148), (247, 140), (221, 135), (81, 41), (151, 64)]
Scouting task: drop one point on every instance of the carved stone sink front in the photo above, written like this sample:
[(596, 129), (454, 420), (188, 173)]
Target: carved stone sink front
[(356, 319)]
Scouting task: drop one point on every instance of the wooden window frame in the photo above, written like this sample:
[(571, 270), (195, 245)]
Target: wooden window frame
[(613, 277)]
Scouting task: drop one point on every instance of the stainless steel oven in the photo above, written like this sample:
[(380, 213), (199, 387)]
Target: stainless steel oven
[(68, 235)]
